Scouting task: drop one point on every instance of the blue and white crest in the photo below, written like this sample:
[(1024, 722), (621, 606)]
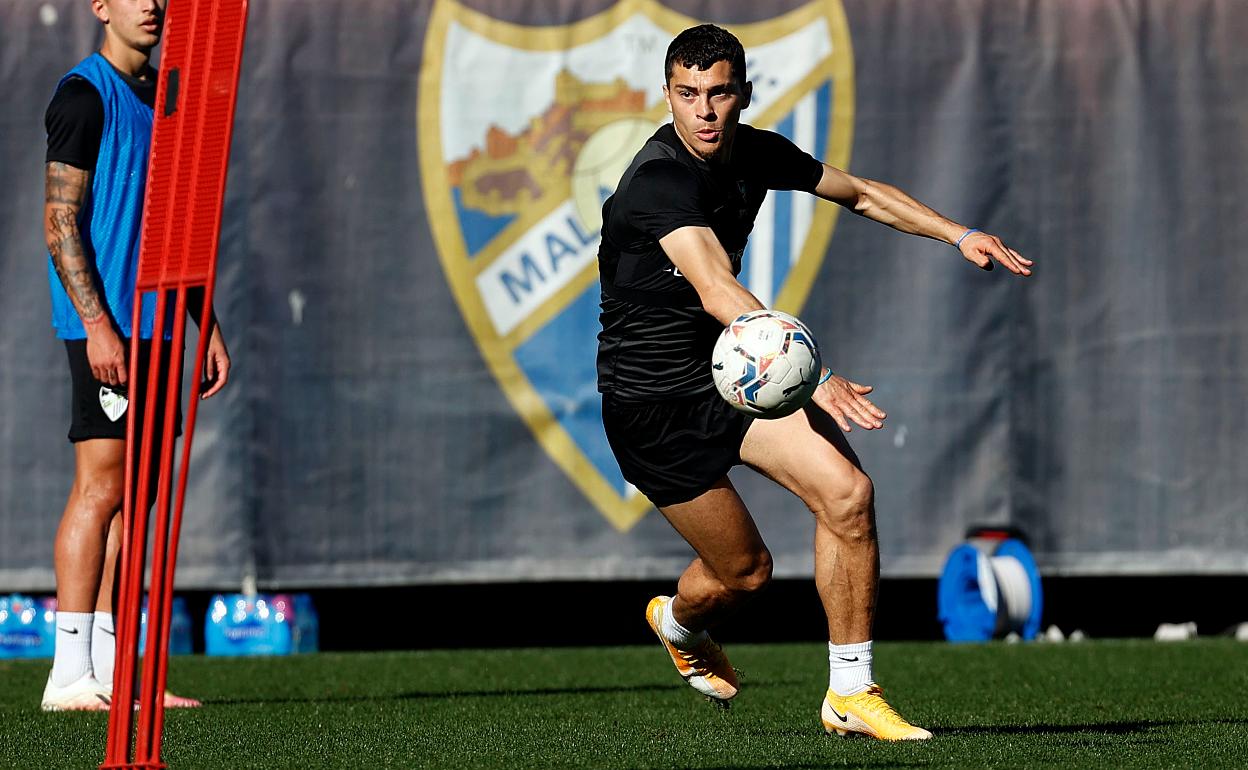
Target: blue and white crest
[(524, 131)]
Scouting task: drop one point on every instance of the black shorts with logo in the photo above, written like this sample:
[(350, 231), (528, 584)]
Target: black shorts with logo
[(97, 409), (674, 450)]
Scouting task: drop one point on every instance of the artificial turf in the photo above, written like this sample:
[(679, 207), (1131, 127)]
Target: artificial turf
[(1093, 704)]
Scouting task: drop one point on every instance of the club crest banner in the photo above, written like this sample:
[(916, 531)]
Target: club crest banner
[(525, 131)]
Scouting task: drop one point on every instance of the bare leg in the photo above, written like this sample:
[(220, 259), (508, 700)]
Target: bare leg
[(732, 564), (807, 454), (847, 579), (79, 553), (88, 541), (83, 536), (106, 598)]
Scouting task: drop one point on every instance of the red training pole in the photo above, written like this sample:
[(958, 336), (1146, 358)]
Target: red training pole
[(191, 133)]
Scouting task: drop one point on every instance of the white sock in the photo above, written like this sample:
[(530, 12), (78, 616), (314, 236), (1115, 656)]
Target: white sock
[(72, 659), (677, 634), (850, 667), (103, 647)]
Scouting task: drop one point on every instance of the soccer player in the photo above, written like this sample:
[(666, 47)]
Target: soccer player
[(99, 127), (672, 239)]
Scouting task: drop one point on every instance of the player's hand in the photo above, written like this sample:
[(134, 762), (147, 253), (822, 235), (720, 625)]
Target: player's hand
[(981, 249), (216, 364), (845, 401), (105, 352)]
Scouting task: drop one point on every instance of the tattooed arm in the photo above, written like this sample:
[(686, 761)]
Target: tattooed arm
[(65, 193)]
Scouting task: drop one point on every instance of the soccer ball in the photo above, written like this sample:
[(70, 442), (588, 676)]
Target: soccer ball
[(766, 363)]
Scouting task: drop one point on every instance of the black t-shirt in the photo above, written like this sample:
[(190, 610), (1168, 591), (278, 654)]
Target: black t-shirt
[(656, 339), (75, 118)]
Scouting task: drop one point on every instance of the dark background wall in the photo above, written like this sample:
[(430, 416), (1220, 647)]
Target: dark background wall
[(365, 439)]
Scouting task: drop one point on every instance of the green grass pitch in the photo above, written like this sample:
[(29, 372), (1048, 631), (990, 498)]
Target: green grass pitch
[(1094, 704)]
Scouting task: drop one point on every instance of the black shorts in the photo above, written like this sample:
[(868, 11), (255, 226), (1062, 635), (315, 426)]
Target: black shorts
[(674, 450), (97, 409)]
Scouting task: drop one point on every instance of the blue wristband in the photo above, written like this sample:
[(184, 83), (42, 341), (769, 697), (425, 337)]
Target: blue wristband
[(827, 375), (958, 245)]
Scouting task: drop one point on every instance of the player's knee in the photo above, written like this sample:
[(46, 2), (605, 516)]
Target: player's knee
[(847, 509), (752, 576), (760, 576), (100, 496), (845, 497)]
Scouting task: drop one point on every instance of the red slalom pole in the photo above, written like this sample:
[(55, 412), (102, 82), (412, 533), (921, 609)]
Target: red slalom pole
[(191, 132)]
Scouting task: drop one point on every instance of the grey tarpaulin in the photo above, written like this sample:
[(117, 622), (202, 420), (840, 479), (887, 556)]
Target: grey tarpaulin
[(366, 438)]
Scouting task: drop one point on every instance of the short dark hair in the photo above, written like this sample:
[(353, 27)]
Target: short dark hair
[(701, 47)]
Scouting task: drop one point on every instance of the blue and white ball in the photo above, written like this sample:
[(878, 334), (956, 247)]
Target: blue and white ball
[(766, 363)]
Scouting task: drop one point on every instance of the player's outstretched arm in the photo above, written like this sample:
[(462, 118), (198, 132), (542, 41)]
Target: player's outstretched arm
[(697, 253), (65, 192), (891, 206)]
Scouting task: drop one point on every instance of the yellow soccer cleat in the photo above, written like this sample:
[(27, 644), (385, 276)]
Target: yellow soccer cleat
[(705, 667), (867, 713)]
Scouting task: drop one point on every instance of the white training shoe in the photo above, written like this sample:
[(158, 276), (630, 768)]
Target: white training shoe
[(86, 694)]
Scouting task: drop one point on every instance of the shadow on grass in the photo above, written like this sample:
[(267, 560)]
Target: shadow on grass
[(448, 694), (1109, 728), (822, 765)]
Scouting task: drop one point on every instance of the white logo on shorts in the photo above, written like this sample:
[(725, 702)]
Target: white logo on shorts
[(113, 404)]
